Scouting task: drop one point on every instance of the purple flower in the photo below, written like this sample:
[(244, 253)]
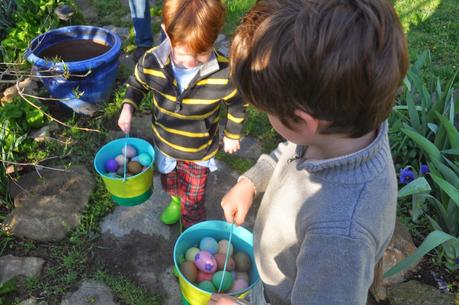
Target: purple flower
[(424, 169), (406, 175)]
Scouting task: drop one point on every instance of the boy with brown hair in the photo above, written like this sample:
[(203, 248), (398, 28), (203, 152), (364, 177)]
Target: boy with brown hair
[(326, 73), (189, 82)]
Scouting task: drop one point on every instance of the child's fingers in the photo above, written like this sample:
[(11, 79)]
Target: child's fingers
[(229, 214), (240, 217)]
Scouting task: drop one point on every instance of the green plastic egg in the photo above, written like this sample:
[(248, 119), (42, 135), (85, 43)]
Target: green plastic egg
[(227, 281), (207, 286)]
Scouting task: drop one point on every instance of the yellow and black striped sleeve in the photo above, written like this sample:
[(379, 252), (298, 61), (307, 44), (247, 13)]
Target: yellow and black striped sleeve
[(137, 86), (235, 116)]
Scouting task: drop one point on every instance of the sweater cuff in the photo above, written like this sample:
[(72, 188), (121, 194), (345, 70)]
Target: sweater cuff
[(261, 173)]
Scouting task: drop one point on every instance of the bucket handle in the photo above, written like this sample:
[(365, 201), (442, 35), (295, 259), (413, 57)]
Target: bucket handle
[(125, 157), (227, 257)]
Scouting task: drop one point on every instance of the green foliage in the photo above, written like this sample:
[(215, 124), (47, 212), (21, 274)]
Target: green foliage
[(7, 8), (258, 126), (236, 10), (425, 117), (126, 291), (31, 19), (6, 288), (111, 12)]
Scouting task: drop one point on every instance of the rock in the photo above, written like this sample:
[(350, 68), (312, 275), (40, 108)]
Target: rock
[(127, 62), (30, 86), (9, 94), (400, 247), (90, 293), (123, 33), (157, 39), (136, 244), (40, 135), (13, 266), (33, 301), (250, 148), (140, 128), (47, 208), (415, 293)]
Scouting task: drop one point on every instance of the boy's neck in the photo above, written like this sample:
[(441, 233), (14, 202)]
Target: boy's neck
[(334, 145)]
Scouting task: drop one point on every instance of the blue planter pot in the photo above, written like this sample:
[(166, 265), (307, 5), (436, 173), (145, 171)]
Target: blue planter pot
[(100, 71)]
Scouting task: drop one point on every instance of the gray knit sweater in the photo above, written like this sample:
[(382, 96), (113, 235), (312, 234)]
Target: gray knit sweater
[(323, 225)]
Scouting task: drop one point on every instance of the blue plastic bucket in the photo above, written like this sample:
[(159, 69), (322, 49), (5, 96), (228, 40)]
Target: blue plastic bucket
[(133, 190), (242, 240), (101, 70)]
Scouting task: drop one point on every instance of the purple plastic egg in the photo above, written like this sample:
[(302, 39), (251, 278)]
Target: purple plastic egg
[(111, 165), (205, 262), (130, 151)]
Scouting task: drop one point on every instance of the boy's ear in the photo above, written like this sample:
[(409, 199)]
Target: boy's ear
[(310, 123)]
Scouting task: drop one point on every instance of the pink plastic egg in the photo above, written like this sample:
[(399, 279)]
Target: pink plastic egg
[(130, 151), (203, 276), (120, 159), (238, 285), (220, 258), (205, 262)]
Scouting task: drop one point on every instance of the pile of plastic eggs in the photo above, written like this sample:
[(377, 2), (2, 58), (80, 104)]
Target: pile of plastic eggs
[(203, 266), (135, 163)]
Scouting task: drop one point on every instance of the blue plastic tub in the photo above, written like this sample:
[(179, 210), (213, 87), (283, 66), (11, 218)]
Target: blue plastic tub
[(97, 85)]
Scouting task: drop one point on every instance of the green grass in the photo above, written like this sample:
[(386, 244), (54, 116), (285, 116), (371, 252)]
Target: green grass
[(235, 10), (127, 291), (432, 25)]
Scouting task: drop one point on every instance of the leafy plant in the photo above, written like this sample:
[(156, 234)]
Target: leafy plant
[(427, 119), (7, 8)]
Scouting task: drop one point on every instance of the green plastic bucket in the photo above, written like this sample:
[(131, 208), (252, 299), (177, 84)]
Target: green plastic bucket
[(242, 240), (133, 190)]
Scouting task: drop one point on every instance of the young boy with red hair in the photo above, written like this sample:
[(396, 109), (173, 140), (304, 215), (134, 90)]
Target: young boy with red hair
[(189, 82)]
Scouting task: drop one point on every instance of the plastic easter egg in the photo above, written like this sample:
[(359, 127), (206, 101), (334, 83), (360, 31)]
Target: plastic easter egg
[(111, 166), (242, 276), (134, 167), (189, 271), (207, 286), (120, 159), (220, 258), (144, 159), (129, 150), (112, 175), (224, 246), (144, 168), (205, 262), (136, 159), (227, 280), (239, 285), (190, 254), (203, 276), (209, 244), (120, 171), (242, 261), (180, 259)]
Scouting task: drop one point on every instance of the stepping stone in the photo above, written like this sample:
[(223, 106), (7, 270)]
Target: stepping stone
[(136, 244), (13, 266), (50, 206), (90, 293), (416, 293)]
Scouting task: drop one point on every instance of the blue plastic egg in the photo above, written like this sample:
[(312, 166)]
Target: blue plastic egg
[(144, 159), (209, 244)]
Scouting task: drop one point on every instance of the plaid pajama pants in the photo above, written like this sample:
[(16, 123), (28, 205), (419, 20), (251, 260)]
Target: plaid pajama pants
[(188, 181)]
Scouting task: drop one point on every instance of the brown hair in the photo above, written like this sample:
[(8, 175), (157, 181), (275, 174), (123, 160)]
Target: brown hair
[(339, 61), (193, 23)]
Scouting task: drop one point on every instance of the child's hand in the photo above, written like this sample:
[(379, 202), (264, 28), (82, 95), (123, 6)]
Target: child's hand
[(124, 121), (237, 202), (221, 299), (230, 146)]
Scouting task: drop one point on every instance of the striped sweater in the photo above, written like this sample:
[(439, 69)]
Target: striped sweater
[(186, 126)]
